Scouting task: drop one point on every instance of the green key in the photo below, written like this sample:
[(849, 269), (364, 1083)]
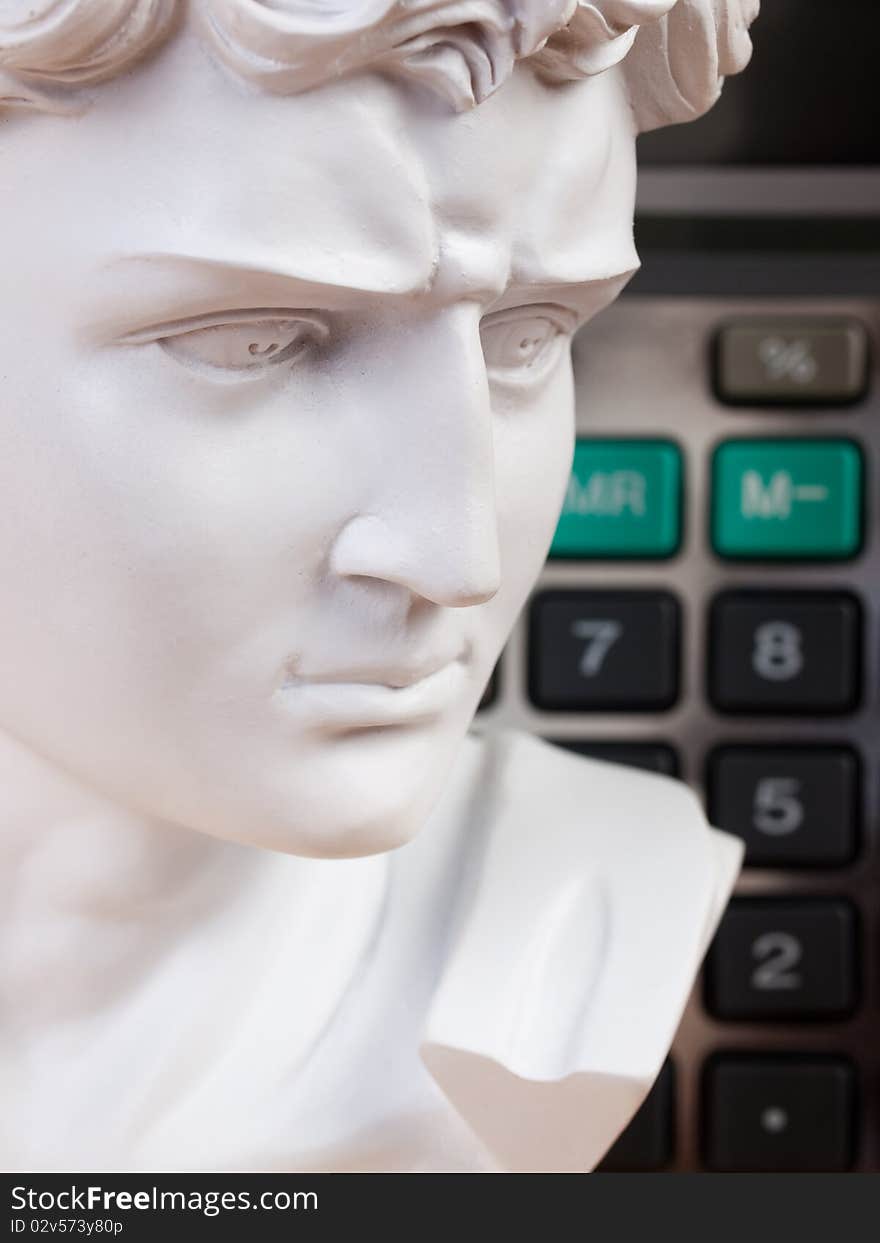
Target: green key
[(623, 500), (787, 498)]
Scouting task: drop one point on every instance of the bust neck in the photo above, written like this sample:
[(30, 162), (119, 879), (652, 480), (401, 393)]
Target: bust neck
[(137, 957)]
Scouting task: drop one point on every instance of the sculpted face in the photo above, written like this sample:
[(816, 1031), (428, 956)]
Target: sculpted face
[(287, 421)]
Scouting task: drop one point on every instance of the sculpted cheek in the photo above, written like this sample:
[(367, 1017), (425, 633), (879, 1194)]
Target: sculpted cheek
[(533, 451)]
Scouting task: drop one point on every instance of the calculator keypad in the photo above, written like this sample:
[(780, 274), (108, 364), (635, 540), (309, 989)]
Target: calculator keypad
[(710, 609)]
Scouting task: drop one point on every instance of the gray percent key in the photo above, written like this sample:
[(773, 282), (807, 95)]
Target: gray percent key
[(791, 360)]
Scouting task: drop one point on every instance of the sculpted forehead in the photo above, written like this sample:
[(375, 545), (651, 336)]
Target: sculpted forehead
[(179, 158), (364, 184), (549, 172)]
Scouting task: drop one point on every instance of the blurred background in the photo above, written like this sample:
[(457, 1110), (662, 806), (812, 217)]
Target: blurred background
[(711, 605)]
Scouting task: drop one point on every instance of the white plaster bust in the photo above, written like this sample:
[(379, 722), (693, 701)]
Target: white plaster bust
[(288, 290)]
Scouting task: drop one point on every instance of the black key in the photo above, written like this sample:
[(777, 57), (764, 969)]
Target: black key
[(604, 650), (648, 1142), (783, 959), (784, 1112), (792, 806), (656, 757), (490, 694), (786, 652)]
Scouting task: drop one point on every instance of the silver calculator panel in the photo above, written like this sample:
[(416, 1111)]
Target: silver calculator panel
[(643, 370)]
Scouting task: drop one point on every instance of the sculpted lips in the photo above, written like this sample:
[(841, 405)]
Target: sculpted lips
[(374, 695)]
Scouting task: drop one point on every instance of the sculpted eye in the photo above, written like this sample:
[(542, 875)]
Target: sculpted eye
[(525, 341), (247, 345)]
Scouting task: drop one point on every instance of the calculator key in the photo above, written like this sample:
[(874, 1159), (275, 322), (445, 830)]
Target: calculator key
[(792, 806), (785, 652), (791, 360), (490, 694), (623, 500), (604, 650), (791, 499), (655, 757), (784, 1112), (648, 1141), (783, 959)]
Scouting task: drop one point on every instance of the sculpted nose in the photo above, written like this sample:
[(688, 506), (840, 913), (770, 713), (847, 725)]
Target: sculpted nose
[(431, 521), (443, 567)]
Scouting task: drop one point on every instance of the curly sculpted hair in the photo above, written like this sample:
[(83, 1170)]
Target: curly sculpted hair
[(676, 53)]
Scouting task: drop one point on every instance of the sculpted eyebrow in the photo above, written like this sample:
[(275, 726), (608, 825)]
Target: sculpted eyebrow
[(589, 294), (224, 273), (134, 292)]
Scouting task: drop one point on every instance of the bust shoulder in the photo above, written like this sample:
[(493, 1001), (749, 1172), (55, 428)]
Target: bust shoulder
[(585, 908)]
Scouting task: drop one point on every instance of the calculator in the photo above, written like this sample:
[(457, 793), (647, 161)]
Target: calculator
[(711, 605), (710, 610)]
